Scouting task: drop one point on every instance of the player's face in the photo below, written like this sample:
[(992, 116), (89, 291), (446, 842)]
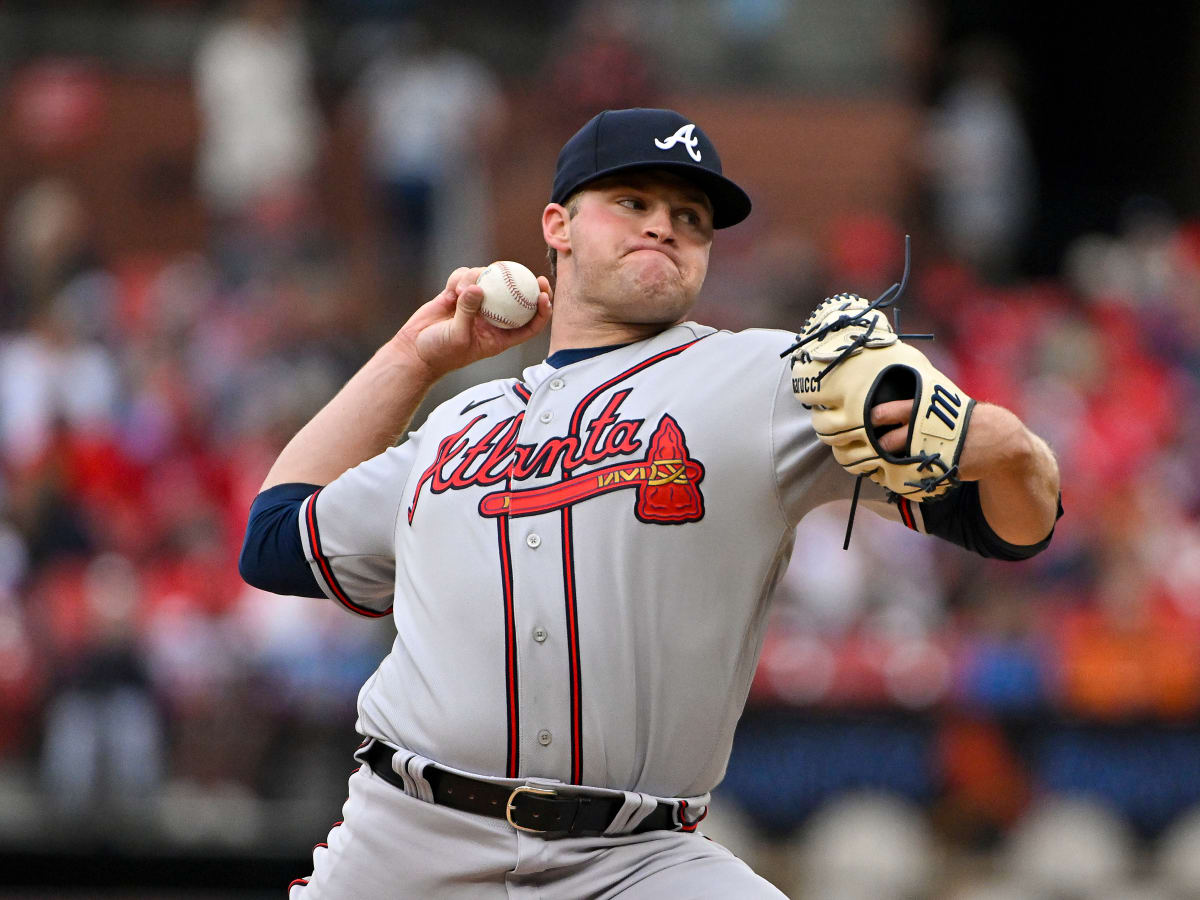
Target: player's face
[(639, 247)]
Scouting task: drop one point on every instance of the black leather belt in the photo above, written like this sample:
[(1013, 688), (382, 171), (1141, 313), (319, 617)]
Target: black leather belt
[(539, 810)]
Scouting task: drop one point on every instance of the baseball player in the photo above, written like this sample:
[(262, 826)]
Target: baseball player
[(579, 561)]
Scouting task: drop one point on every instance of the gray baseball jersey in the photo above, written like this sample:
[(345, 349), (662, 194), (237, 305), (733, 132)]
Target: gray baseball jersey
[(579, 563)]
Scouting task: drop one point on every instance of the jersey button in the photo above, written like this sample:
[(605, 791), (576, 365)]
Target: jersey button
[(540, 634), (534, 541), (545, 416), (557, 384), (545, 737)]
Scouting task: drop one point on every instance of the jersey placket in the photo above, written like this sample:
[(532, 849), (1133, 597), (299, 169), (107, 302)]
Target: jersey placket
[(543, 600)]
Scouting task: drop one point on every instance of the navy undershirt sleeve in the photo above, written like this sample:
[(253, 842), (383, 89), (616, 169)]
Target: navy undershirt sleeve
[(272, 557), (958, 517)]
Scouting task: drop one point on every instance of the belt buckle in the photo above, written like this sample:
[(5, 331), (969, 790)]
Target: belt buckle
[(526, 789)]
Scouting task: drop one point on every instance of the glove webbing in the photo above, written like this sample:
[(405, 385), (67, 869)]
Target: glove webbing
[(884, 300), (847, 351)]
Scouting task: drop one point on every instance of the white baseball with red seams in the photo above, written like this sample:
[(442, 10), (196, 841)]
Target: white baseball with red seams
[(510, 293)]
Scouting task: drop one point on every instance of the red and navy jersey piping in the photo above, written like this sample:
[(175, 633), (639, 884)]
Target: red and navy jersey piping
[(571, 613), (906, 513), (512, 765)]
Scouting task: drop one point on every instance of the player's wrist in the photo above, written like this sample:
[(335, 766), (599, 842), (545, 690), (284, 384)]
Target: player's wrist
[(400, 355), (1005, 445)]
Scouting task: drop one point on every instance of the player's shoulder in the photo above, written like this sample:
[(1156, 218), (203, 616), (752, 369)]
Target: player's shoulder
[(751, 342)]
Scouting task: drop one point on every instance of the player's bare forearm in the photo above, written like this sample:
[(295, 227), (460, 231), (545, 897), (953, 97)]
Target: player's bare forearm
[(1017, 475), (361, 421), (378, 402), (1016, 470)]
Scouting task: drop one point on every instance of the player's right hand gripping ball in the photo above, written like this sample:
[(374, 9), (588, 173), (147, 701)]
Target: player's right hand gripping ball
[(848, 361), (510, 294)]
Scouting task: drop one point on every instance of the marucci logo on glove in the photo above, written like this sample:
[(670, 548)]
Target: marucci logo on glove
[(808, 384)]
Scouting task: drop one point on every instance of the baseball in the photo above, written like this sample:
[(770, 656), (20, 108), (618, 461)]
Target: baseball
[(510, 294)]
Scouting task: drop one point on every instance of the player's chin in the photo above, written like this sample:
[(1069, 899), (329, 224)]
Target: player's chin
[(665, 308), (660, 279)]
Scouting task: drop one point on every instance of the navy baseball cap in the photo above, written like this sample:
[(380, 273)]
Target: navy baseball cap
[(621, 139)]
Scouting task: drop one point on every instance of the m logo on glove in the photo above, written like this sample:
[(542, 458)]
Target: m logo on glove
[(944, 405)]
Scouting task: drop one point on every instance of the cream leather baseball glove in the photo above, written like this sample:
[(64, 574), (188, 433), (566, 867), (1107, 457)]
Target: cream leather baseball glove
[(847, 360)]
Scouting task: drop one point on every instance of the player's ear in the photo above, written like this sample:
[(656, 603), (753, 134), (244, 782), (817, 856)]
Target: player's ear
[(556, 227)]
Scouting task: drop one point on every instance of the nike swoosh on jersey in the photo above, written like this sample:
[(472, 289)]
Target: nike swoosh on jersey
[(470, 406)]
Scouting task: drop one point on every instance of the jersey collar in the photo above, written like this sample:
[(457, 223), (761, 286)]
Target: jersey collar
[(575, 354)]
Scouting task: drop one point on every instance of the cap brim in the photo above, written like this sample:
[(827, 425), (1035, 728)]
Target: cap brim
[(730, 203)]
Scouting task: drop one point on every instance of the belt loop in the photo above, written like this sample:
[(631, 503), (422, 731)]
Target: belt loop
[(634, 809), (682, 818), (411, 768), (360, 755)]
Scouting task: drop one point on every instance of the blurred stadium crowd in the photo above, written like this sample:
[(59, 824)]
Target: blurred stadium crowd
[(924, 724)]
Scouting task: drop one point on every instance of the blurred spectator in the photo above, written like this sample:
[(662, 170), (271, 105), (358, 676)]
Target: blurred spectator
[(986, 788), (432, 116), (102, 752), (60, 378), (21, 670), (980, 164), (48, 242), (864, 588), (197, 657), (261, 127), (601, 65), (53, 374)]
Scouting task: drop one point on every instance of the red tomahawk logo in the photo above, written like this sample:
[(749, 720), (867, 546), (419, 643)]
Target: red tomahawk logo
[(667, 483)]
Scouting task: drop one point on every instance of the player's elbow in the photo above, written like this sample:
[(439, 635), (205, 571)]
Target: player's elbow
[(276, 573), (272, 557), (250, 566), (253, 565)]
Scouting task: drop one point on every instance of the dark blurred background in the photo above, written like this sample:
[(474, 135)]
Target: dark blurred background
[(210, 216)]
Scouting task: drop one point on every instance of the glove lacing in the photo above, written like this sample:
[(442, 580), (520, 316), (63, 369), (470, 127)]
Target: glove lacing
[(926, 460)]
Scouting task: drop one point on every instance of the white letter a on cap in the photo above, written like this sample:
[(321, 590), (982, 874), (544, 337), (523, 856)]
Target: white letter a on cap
[(682, 136)]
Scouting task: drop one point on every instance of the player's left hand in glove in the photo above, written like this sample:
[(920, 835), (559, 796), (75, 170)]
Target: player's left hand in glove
[(847, 361)]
